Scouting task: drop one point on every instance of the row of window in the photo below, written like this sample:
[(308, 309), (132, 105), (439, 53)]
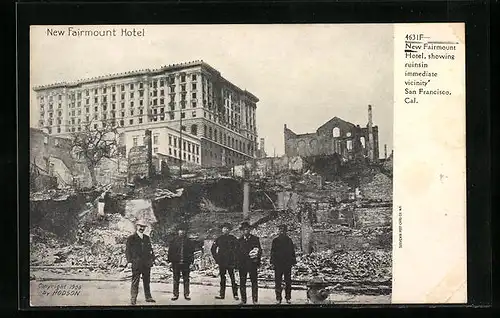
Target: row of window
[(104, 113), (232, 122), (175, 142), (140, 119), (51, 98), (185, 156), (154, 102), (226, 140), (231, 158), (51, 106), (104, 90), (113, 107)]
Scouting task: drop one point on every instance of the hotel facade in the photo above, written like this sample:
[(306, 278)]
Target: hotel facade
[(194, 114)]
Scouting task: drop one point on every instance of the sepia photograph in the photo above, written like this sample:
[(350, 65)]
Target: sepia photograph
[(212, 165)]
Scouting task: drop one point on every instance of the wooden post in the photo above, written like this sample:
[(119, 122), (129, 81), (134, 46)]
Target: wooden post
[(306, 228), (149, 145), (246, 199), (281, 200)]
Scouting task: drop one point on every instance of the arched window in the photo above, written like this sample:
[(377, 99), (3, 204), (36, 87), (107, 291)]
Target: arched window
[(349, 145), (363, 142), (336, 132), (194, 129)]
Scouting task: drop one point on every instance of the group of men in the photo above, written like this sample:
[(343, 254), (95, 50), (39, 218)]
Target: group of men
[(230, 253)]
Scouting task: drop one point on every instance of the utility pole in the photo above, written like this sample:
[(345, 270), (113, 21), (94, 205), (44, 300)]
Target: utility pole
[(246, 199), (180, 145)]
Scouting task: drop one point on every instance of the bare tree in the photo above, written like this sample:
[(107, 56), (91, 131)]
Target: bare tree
[(93, 143)]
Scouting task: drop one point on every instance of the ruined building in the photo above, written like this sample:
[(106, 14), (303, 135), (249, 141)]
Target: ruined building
[(53, 156), (261, 152), (336, 136), (195, 115)]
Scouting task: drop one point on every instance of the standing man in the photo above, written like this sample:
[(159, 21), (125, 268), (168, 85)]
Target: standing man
[(140, 256), (181, 255), (249, 258), (224, 251), (283, 258)]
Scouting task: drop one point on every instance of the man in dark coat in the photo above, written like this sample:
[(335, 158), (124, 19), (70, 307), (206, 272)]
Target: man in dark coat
[(283, 258), (224, 251), (249, 258), (140, 255), (181, 255)]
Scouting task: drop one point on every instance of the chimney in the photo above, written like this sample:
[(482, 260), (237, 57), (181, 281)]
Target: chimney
[(262, 148), (385, 151), (285, 126), (148, 142), (370, 119), (370, 134)]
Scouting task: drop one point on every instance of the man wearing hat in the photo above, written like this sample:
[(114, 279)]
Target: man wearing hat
[(249, 260), (224, 251), (140, 255), (181, 255), (283, 258)]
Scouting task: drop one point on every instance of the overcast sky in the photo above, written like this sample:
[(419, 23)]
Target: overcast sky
[(303, 74)]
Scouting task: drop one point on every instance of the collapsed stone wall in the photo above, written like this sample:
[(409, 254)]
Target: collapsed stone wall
[(138, 165), (60, 217)]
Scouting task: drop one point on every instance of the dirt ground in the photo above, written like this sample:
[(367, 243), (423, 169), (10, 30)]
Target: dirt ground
[(117, 293)]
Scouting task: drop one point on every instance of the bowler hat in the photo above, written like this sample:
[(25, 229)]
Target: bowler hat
[(182, 227), (226, 225), (244, 225), (282, 227)]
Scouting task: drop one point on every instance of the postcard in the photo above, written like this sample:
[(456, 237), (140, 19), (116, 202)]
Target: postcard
[(247, 165)]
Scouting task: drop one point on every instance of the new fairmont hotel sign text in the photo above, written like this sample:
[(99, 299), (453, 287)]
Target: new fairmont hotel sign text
[(112, 32)]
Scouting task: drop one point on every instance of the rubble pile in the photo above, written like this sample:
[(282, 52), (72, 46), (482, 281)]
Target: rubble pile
[(52, 194), (42, 245), (98, 255), (379, 187), (336, 229), (208, 224), (353, 265), (387, 166), (376, 231), (338, 186), (270, 228), (155, 193), (208, 206), (372, 265), (63, 193), (309, 180), (100, 243), (374, 217)]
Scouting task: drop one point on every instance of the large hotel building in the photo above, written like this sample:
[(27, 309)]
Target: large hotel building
[(194, 114)]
